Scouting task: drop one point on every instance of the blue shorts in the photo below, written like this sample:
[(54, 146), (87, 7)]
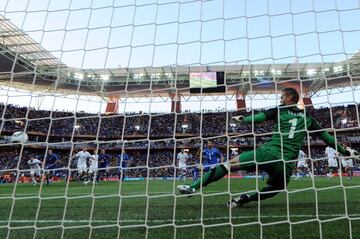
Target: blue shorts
[(52, 169), (103, 166)]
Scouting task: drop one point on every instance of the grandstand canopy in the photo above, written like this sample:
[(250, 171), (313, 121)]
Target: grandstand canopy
[(26, 64), (18, 47)]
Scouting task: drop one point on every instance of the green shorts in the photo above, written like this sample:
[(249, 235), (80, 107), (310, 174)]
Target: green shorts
[(277, 170)]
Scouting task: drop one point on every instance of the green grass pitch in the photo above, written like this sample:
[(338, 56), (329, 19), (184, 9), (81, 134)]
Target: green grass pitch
[(111, 210)]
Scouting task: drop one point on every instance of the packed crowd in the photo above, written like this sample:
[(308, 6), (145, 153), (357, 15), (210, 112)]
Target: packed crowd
[(161, 161), (156, 125), (156, 163)]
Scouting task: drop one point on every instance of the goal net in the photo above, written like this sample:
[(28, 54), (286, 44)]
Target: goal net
[(108, 107)]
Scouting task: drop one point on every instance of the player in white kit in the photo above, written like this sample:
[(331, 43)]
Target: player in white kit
[(35, 169), (302, 166), (94, 161), (333, 165), (82, 157), (348, 163), (182, 158)]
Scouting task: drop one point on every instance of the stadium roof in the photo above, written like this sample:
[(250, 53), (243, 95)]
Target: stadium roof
[(15, 44), (36, 69)]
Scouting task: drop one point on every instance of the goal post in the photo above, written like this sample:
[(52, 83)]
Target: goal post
[(120, 102)]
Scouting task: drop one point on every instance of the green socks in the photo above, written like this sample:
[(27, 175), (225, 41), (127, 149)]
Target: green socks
[(212, 175)]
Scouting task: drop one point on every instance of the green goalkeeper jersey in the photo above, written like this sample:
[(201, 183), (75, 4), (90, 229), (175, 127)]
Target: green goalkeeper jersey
[(290, 130)]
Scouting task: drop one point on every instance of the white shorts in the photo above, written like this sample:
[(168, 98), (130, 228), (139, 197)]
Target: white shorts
[(333, 163), (81, 168), (182, 166), (35, 172), (347, 163), (93, 169), (302, 164)]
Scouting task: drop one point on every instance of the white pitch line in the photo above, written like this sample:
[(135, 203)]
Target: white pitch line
[(17, 195), (177, 220), (80, 194)]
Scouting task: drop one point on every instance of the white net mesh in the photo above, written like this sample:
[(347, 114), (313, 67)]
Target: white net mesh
[(171, 75)]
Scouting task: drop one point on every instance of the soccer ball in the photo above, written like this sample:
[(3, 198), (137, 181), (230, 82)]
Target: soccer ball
[(19, 137)]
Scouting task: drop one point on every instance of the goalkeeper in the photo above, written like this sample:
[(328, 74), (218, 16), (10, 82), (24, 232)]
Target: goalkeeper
[(275, 156)]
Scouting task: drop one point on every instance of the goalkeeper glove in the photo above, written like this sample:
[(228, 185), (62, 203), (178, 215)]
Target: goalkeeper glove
[(351, 152), (238, 118)]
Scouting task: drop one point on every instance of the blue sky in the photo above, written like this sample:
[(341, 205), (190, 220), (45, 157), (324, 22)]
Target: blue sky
[(97, 34), (148, 33)]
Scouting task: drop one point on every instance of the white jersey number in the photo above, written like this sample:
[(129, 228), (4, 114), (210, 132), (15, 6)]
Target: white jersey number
[(293, 123)]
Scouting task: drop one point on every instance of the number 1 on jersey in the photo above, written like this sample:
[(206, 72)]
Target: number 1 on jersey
[(293, 123)]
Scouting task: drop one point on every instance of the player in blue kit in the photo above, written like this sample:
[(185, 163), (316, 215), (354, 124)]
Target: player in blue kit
[(122, 161), (104, 163), (211, 156), (51, 164), (195, 172)]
